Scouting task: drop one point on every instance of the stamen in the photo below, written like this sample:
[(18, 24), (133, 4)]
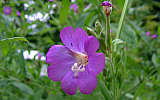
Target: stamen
[(81, 63), (78, 68)]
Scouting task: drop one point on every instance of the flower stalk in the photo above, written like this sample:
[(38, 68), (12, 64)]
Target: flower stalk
[(108, 35), (107, 7)]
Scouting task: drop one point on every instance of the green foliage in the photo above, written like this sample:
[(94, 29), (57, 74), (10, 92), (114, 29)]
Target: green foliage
[(64, 11), (134, 71)]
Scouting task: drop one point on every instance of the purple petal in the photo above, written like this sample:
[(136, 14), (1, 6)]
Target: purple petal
[(106, 3), (154, 36), (56, 72), (69, 83), (7, 10), (39, 56), (148, 33), (86, 82), (58, 54), (74, 7), (61, 62), (96, 63), (91, 45), (50, 0), (18, 13), (74, 40)]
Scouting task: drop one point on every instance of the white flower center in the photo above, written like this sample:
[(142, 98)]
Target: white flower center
[(81, 63)]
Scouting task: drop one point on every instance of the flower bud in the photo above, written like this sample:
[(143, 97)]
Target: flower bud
[(107, 7)]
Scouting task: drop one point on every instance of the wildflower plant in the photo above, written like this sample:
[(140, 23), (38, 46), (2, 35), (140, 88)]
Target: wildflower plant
[(77, 65), (79, 50)]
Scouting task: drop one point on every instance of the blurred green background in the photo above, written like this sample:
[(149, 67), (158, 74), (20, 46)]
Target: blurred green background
[(22, 60)]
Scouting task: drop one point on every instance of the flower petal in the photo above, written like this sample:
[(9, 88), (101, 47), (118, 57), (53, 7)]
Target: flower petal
[(96, 63), (56, 72), (74, 40), (61, 62), (59, 54), (69, 83), (86, 82), (91, 45)]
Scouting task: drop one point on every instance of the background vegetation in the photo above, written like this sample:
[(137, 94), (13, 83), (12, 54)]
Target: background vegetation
[(22, 60)]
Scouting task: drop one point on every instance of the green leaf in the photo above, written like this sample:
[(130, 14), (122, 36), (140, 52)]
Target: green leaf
[(3, 83), (139, 90), (122, 18), (129, 36), (64, 11), (56, 97), (13, 39), (4, 48), (155, 60), (23, 87), (158, 29), (120, 3), (89, 18), (104, 90)]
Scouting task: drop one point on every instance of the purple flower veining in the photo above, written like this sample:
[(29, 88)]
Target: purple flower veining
[(148, 34), (18, 13), (74, 7), (154, 36), (76, 64), (7, 10)]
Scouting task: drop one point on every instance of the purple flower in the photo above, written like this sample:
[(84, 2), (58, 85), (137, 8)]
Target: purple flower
[(154, 36), (106, 3), (76, 64), (7, 10), (39, 56), (50, 0), (18, 13), (74, 7), (148, 34)]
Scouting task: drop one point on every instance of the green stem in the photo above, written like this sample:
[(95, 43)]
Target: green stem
[(108, 39), (122, 19)]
